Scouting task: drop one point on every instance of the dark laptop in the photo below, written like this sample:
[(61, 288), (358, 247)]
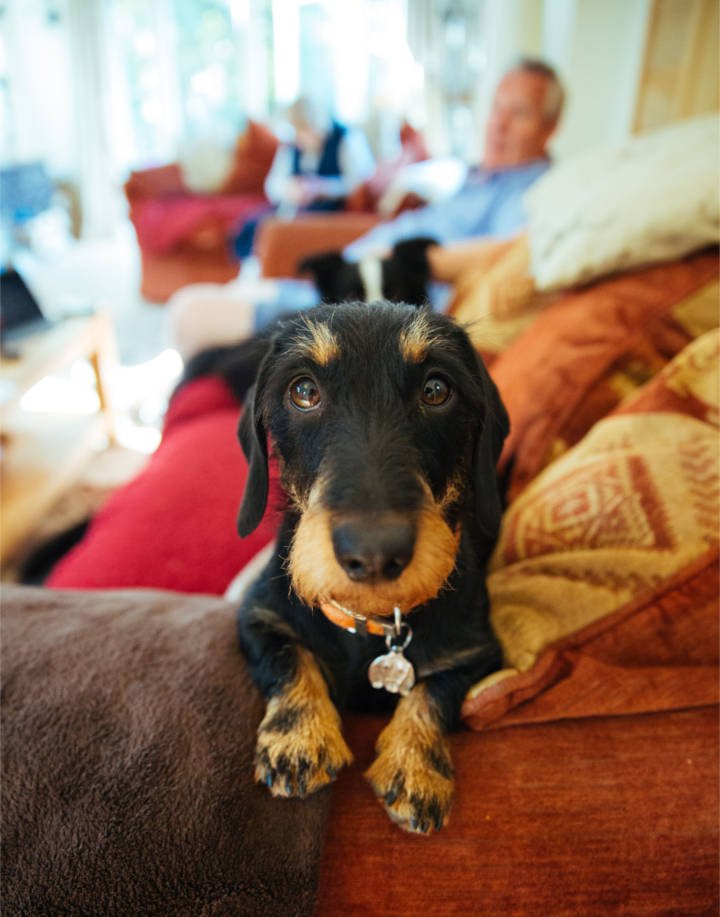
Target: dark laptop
[(20, 313)]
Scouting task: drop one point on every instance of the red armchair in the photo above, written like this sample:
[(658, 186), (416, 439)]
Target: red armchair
[(183, 235)]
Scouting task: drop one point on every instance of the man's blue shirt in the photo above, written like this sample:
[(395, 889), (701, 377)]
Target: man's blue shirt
[(488, 204)]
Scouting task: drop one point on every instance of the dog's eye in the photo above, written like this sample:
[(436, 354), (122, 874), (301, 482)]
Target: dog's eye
[(436, 391), (304, 394)]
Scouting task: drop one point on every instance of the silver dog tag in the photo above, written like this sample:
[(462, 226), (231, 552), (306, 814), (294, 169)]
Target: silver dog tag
[(393, 672)]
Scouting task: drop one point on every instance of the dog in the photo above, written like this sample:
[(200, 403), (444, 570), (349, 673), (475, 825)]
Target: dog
[(402, 276), (386, 428)]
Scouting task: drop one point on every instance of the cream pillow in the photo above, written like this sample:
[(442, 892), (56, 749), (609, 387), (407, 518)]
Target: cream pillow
[(205, 162), (652, 199)]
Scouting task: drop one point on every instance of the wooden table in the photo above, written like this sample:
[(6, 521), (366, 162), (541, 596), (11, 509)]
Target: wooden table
[(42, 453)]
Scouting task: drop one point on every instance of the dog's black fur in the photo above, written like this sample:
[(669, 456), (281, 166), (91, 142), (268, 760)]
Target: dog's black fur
[(360, 468), (405, 274)]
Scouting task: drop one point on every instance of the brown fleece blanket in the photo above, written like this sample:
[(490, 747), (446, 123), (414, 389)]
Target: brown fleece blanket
[(128, 731)]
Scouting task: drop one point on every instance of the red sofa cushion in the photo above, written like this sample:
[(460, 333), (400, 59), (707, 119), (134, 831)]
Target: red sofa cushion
[(164, 223), (174, 526)]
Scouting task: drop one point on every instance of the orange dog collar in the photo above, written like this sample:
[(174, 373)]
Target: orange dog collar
[(353, 622)]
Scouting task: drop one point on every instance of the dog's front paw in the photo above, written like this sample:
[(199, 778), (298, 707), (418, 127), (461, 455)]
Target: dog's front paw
[(415, 786), (413, 773), (300, 747)]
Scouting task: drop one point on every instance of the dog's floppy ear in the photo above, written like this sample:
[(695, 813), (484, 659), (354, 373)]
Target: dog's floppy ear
[(495, 428), (253, 439)]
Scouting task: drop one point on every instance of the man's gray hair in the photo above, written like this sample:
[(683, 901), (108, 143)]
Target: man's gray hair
[(555, 95)]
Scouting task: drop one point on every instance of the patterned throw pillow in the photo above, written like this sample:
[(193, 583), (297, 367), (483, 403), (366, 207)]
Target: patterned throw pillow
[(590, 349), (610, 556)]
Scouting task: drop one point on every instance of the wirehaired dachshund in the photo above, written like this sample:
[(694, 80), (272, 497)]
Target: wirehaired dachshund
[(386, 428)]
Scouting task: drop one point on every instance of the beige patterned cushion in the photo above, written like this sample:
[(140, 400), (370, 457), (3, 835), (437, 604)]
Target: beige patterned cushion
[(614, 545), (622, 512)]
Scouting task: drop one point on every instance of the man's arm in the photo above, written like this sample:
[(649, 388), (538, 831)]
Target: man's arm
[(280, 172), (486, 207), (447, 262)]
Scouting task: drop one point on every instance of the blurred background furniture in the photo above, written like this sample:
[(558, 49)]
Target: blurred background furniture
[(281, 244), (184, 235), (44, 451)]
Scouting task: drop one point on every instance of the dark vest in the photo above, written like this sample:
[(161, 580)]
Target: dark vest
[(329, 161)]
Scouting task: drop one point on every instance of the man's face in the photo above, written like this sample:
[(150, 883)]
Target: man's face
[(517, 130)]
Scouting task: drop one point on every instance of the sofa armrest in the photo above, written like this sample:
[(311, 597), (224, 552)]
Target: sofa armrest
[(281, 244), (130, 721)]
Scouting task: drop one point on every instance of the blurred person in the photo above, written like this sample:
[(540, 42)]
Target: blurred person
[(323, 163), (524, 115)]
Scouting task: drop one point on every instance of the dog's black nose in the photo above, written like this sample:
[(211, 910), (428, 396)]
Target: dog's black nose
[(373, 548)]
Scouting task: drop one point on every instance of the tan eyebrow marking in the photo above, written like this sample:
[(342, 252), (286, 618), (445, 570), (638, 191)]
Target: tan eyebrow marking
[(416, 339), (321, 346)]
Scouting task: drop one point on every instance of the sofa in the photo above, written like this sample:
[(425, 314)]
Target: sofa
[(586, 769)]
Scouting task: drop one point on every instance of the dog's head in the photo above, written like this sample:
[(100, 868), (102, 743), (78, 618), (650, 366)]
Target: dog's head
[(387, 429), (402, 276)]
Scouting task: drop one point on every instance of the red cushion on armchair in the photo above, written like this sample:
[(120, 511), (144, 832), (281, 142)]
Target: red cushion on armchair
[(145, 536), (254, 153)]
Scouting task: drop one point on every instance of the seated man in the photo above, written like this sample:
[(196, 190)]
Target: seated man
[(525, 112)]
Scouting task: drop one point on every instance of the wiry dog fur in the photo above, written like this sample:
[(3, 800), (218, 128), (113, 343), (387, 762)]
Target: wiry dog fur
[(388, 464)]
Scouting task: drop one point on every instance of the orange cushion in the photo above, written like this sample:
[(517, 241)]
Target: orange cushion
[(597, 816), (254, 153), (592, 347)]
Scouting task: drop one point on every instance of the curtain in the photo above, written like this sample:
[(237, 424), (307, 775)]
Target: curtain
[(447, 38), (98, 196)]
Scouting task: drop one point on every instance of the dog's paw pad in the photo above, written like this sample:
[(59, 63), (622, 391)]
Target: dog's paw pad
[(299, 750), (415, 786)]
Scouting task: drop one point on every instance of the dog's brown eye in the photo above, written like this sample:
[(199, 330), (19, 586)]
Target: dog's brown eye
[(305, 394), (436, 391)]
